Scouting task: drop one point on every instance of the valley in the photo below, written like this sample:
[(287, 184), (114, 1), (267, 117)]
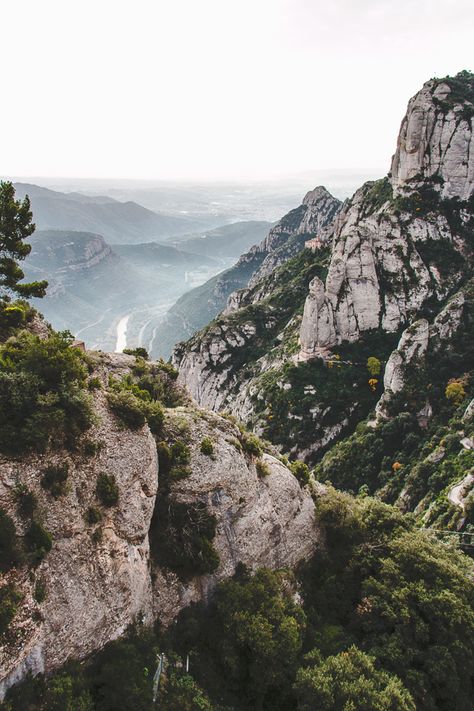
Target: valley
[(280, 515)]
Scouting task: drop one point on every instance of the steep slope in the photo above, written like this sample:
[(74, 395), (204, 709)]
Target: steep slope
[(195, 309), (399, 249), (101, 532), (117, 222)]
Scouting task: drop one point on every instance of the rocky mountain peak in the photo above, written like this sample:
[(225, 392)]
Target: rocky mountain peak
[(436, 137), (313, 197)]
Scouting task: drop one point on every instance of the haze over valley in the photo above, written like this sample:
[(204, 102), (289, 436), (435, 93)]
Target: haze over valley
[(118, 255)]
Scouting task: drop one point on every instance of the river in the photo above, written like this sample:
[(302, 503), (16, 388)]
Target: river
[(122, 334)]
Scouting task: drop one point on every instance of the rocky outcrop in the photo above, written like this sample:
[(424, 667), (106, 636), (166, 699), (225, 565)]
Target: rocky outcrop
[(287, 237), (414, 344), (436, 138), (99, 577), (386, 263), (313, 217), (261, 520), (96, 578)]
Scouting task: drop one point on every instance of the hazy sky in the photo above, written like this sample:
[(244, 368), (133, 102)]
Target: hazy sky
[(217, 88)]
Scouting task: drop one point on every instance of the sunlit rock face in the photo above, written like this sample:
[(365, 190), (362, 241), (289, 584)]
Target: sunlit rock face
[(380, 274), (435, 141)]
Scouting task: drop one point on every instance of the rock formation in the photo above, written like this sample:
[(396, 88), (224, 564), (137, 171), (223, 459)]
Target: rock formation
[(381, 272), (99, 577)]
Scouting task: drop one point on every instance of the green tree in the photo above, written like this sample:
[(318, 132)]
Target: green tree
[(180, 691), (374, 366), (260, 636), (15, 226), (350, 681)]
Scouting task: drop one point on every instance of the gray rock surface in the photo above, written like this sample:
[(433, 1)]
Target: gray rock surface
[(99, 578), (435, 142)]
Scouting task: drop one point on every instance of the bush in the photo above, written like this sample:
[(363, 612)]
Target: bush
[(38, 542), (138, 352), (455, 391), (93, 515), (54, 479), (134, 411), (207, 446), (91, 447), (128, 408), (252, 445), (94, 383), (42, 393), (300, 471), (107, 490), (9, 599), (181, 537), (154, 416), (9, 551), (26, 501), (350, 680), (39, 592), (262, 468)]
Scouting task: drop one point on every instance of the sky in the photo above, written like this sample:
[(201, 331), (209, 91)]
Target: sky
[(217, 89)]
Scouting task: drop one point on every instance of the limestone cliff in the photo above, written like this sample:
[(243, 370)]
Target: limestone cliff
[(398, 250), (403, 240), (99, 575)]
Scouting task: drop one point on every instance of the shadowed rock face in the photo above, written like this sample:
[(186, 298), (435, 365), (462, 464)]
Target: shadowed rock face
[(100, 577)]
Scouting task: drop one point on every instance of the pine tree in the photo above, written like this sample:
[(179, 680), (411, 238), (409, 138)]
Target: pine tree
[(15, 226)]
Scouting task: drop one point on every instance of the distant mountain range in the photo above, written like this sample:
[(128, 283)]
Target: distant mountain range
[(117, 222)]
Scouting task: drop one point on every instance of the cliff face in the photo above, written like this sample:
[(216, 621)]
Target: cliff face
[(436, 137), (403, 240), (398, 249), (99, 575), (286, 239)]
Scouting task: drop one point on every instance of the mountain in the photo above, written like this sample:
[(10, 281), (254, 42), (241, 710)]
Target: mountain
[(153, 551), (92, 285), (291, 353), (197, 307), (228, 241), (117, 222)]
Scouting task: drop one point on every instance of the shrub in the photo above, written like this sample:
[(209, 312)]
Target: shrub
[(107, 490), (9, 551), (300, 471), (252, 445), (182, 535), (38, 541), (94, 383), (54, 479), (93, 515), (9, 599), (374, 366), (128, 408), (42, 395), (350, 680), (262, 468), (26, 501), (91, 447), (207, 446), (455, 391), (138, 352), (154, 416), (134, 408), (39, 592)]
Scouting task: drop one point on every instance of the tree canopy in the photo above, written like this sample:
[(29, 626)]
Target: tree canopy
[(15, 227)]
